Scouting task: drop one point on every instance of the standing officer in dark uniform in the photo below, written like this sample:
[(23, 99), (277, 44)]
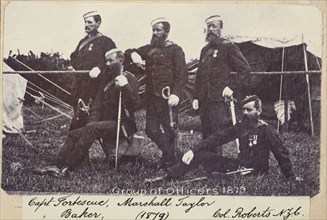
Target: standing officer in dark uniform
[(88, 55), (165, 66), (257, 140), (214, 81)]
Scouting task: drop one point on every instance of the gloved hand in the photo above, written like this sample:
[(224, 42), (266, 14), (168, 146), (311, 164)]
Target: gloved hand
[(227, 92), (195, 104), (173, 100), (95, 71), (121, 81), (136, 58), (188, 157), (70, 68)]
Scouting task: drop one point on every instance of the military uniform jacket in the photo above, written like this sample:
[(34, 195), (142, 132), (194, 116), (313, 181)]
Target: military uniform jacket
[(105, 105), (85, 57), (165, 66), (255, 146), (217, 60)]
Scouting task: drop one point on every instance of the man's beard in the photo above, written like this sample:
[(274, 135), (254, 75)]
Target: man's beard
[(158, 41), (210, 37), (250, 119), (114, 69)]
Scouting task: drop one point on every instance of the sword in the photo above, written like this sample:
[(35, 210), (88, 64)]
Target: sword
[(233, 115), (118, 125), (242, 171), (165, 94), (118, 130)]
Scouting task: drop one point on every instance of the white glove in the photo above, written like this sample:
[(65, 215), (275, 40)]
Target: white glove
[(70, 68), (173, 100), (95, 71), (136, 58), (195, 104), (121, 81), (227, 92), (188, 157)]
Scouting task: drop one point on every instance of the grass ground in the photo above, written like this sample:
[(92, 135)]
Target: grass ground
[(100, 178)]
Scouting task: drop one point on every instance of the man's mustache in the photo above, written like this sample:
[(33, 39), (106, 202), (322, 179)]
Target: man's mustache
[(211, 33), (247, 117), (155, 36)]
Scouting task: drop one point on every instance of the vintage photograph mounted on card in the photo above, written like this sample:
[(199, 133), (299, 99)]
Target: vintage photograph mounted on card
[(140, 99)]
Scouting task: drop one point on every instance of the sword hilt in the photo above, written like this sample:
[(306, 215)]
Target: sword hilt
[(83, 107), (230, 99), (165, 91)]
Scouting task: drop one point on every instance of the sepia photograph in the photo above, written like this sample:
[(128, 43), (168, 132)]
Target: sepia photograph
[(140, 98)]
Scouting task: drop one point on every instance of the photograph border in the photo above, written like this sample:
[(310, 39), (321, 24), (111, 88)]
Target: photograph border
[(11, 205)]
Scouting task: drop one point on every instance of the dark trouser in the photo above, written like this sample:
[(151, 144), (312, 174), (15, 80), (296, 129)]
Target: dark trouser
[(214, 117), (79, 120), (157, 117), (79, 141), (209, 160)]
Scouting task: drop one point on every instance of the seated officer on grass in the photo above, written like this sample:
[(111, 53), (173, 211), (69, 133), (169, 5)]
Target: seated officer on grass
[(102, 119), (257, 139)]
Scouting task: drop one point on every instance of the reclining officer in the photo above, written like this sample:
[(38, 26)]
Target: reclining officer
[(257, 140)]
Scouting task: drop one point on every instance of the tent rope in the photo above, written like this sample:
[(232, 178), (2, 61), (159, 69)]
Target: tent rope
[(47, 104), (53, 100), (35, 97), (30, 110), (49, 119), (49, 94), (34, 84), (59, 102), (47, 72), (42, 76)]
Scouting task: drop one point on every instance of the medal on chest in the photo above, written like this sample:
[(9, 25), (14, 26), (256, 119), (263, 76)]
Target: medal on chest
[(90, 47), (215, 53), (253, 140)]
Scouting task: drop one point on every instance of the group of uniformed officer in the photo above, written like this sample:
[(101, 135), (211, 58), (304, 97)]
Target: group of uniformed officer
[(165, 67)]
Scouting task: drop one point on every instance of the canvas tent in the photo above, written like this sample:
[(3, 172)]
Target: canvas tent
[(278, 55), (13, 90)]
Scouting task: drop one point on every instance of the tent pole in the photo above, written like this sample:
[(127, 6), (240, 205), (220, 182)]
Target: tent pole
[(286, 118), (308, 87), (281, 84), (318, 62)]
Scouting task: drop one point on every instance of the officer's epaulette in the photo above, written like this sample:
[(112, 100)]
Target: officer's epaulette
[(154, 50), (226, 40), (125, 72), (169, 43), (261, 122)]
